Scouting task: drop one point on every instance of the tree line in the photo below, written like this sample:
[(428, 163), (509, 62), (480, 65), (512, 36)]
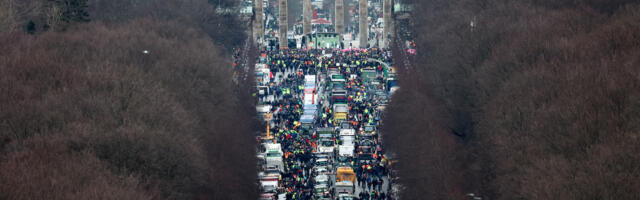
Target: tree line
[(527, 99), (123, 99)]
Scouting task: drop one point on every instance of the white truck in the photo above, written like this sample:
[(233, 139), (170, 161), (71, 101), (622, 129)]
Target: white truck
[(345, 179), (269, 183), (343, 188), (347, 143), (309, 79), (262, 74), (310, 99), (273, 156), (347, 133), (346, 151)]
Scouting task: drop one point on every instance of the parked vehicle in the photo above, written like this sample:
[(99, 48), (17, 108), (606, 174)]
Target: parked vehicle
[(340, 112), (273, 156), (269, 184), (345, 174), (343, 187), (326, 145)]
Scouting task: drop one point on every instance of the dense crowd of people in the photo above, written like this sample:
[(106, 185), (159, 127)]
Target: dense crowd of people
[(287, 70)]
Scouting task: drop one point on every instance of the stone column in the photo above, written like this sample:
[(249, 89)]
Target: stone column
[(306, 16), (364, 32), (283, 24), (339, 19), (387, 32), (339, 16), (258, 23)]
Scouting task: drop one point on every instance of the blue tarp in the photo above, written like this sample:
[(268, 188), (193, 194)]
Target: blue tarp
[(310, 107), (309, 85), (307, 119)]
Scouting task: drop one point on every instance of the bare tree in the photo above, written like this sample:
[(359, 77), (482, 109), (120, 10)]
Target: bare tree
[(166, 121), (532, 102)]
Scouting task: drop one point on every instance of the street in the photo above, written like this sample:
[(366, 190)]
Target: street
[(321, 109)]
